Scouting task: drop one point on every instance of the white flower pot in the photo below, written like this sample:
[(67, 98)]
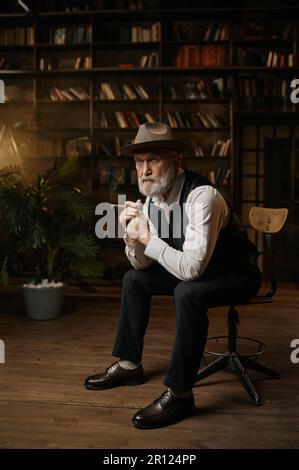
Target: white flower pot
[(43, 303)]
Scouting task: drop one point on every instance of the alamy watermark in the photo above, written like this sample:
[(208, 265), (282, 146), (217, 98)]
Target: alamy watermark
[(174, 218), (294, 357), (294, 97), (2, 92), (2, 352)]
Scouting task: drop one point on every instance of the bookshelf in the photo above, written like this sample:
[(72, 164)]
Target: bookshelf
[(81, 75)]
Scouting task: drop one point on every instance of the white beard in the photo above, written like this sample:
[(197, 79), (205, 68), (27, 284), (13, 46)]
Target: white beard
[(160, 185)]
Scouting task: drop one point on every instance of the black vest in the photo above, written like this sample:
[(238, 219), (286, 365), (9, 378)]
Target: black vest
[(233, 248)]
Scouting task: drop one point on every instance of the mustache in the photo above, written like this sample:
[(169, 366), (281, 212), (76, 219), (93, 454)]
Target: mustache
[(146, 179)]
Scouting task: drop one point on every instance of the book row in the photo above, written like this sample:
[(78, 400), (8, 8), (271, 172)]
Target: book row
[(17, 36), (115, 176), (261, 57), (46, 146), (79, 62), (201, 89), (175, 119), (201, 56), (69, 35)]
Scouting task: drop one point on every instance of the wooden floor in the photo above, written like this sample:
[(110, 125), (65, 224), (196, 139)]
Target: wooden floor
[(43, 403)]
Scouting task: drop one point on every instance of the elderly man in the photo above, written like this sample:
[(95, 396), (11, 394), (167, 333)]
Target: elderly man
[(204, 259)]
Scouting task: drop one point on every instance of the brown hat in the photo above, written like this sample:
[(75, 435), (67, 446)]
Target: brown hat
[(153, 135)]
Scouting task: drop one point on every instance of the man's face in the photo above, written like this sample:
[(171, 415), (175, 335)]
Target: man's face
[(156, 170)]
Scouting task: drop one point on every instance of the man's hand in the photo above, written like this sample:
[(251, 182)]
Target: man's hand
[(138, 229), (135, 223), (130, 211)]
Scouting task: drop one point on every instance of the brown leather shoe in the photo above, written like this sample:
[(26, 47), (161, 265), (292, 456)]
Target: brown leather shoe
[(115, 376), (165, 410)]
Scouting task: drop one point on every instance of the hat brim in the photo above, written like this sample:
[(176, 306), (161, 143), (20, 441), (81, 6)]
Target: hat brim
[(129, 150)]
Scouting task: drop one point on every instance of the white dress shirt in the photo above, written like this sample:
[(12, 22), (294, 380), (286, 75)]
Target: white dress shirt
[(207, 214)]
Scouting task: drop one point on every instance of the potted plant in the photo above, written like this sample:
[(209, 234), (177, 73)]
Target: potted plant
[(49, 224)]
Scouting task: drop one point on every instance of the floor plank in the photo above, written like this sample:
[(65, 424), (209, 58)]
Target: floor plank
[(43, 403)]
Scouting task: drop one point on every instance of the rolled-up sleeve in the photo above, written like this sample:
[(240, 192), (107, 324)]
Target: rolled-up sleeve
[(207, 214)]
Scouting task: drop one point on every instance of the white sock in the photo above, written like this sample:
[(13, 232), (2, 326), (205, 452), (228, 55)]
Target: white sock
[(128, 365), (186, 394)]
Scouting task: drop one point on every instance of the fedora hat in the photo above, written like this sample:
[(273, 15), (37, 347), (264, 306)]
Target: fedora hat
[(153, 135)]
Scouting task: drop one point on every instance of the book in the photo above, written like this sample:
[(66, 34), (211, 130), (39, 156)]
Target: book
[(18, 36), (137, 34), (264, 92), (202, 89), (67, 94), (264, 57), (13, 150), (149, 60), (68, 35), (193, 119), (201, 56), (80, 146), (123, 119), (24, 6)]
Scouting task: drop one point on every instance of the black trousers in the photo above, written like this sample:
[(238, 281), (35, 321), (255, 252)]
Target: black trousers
[(192, 301)]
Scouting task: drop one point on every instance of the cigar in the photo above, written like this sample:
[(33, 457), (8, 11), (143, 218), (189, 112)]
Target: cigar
[(120, 205)]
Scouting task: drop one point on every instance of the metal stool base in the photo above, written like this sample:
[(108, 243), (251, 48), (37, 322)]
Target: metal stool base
[(238, 364), (261, 347)]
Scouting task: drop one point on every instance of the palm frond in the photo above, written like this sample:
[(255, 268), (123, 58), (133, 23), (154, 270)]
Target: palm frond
[(15, 210), (3, 272), (87, 268), (76, 202), (82, 246), (9, 174), (9, 170), (61, 167), (34, 240)]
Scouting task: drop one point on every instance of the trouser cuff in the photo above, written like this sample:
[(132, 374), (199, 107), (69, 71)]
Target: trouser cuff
[(177, 387)]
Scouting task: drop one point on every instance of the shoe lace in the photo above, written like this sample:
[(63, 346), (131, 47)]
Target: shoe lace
[(112, 368), (164, 398)]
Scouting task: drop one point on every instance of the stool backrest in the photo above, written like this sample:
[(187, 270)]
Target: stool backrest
[(268, 221)]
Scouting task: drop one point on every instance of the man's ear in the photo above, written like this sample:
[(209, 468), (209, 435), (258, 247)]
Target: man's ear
[(177, 160)]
